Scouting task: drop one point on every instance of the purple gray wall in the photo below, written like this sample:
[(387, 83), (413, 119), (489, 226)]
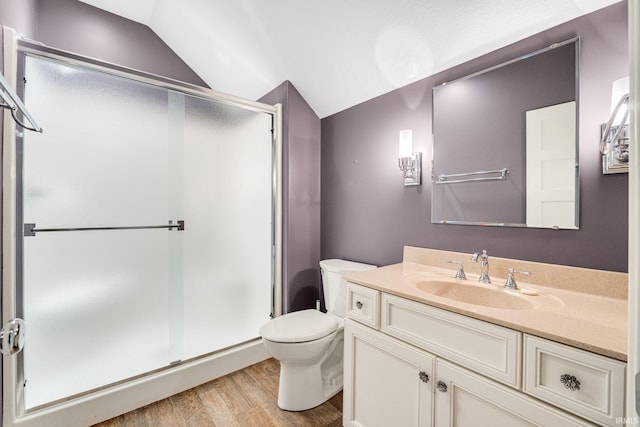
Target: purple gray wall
[(21, 15), (301, 198), (368, 215), (80, 28)]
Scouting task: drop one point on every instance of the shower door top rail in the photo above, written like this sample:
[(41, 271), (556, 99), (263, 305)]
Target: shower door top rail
[(31, 230), (34, 48)]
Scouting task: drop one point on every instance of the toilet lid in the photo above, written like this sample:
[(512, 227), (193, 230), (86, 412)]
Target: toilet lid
[(299, 326)]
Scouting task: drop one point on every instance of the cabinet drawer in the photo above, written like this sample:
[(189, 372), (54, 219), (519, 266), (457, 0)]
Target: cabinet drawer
[(489, 349), (363, 305), (584, 383)]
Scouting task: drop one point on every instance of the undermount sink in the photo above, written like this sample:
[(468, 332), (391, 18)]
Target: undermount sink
[(475, 294)]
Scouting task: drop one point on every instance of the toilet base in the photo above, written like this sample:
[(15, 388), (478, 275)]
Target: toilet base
[(302, 387)]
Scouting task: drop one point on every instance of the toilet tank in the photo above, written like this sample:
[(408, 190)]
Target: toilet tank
[(334, 286)]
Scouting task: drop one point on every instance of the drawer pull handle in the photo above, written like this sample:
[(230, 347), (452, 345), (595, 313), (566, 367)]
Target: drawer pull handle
[(442, 386), (359, 305), (424, 377), (570, 382)]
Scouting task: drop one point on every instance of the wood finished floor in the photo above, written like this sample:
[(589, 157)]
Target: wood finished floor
[(244, 398)]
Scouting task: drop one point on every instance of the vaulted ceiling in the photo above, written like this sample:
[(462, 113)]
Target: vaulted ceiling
[(338, 53)]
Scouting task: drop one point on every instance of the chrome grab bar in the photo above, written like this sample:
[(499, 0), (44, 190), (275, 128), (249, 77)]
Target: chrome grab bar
[(31, 230), (444, 178)]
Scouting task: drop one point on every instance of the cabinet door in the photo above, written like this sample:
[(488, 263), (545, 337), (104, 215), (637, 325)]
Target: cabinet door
[(386, 382), (466, 399)]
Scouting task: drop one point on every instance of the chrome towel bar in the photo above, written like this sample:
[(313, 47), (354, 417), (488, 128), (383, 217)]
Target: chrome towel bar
[(446, 179)]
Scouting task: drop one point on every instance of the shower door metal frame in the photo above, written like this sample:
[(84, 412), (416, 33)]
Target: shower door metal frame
[(13, 402)]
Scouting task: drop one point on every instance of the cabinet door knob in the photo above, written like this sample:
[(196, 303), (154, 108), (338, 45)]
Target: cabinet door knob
[(570, 382), (424, 377), (359, 305), (441, 386)]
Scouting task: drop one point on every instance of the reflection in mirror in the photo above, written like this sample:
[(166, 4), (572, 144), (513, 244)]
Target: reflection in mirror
[(505, 147)]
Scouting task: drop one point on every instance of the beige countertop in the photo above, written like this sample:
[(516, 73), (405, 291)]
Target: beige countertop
[(583, 318)]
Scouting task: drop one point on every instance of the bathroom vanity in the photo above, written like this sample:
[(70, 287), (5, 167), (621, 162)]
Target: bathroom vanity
[(425, 349)]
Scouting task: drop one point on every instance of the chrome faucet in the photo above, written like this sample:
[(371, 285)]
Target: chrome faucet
[(484, 274)]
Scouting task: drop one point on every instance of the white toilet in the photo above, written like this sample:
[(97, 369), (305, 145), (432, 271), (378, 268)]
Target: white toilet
[(309, 343)]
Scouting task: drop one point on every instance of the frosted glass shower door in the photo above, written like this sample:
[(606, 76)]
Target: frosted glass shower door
[(119, 156), (228, 244), (96, 302)]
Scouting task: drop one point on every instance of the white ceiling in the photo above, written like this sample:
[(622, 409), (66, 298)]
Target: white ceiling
[(337, 53)]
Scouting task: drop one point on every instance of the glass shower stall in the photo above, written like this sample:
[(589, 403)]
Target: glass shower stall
[(145, 225)]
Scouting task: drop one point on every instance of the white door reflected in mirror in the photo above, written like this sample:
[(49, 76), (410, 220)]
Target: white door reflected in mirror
[(551, 166)]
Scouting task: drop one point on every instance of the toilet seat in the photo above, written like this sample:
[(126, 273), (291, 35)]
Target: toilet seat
[(299, 326)]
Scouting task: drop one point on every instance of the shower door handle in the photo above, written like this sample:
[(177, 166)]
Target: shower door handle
[(12, 337), (30, 228)]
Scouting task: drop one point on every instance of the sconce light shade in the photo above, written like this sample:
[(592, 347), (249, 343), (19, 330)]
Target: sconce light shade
[(619, 88), (614, 135), (405, 146), (409, 162)]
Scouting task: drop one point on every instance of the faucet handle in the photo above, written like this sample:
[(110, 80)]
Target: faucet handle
[(511, 282), (460, 273)]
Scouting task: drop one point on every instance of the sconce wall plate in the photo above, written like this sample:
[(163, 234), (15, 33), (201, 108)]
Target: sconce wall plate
[(411, 169), (616, 157)]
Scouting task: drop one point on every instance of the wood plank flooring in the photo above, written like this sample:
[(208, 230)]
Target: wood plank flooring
[(244, 398)]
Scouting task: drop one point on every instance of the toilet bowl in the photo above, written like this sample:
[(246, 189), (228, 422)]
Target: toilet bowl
[(309, 343)]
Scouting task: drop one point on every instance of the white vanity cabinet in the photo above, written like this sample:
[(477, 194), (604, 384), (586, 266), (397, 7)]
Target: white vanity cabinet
[(410, 364)]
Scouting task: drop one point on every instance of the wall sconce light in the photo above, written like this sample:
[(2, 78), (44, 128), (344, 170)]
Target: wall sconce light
[(408, 161), (614, 135)]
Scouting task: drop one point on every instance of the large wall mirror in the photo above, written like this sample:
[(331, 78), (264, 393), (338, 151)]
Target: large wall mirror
[(505, 143)]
